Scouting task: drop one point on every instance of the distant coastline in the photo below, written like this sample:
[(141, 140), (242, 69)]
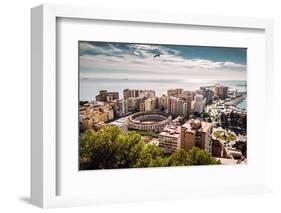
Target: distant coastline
[(90, 87)]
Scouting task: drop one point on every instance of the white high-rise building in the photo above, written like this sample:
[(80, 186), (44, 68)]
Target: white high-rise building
[(123, 107), (132, 103), (147, 93), (198, 103), (163, 102), (149, 104)]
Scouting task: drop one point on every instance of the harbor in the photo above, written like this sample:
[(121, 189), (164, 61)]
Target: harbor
[(235, 101)]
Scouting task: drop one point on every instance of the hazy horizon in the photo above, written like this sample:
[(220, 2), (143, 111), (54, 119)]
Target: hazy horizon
[(107, 65)]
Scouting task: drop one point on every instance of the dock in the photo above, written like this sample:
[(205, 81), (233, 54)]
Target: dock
[(235, 101)]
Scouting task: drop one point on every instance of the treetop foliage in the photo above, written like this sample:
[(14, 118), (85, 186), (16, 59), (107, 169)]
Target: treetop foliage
[(109, 148)]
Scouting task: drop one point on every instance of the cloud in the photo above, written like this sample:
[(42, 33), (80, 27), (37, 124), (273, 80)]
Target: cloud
[(140, 57)]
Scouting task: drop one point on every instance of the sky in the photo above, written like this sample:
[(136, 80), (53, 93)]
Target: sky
[(105, 60)]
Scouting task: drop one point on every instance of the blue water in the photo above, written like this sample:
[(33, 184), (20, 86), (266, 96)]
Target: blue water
[(242, 104), (89, 88)]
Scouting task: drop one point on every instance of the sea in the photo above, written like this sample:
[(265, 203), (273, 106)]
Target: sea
[(242, 104), (90, 87)]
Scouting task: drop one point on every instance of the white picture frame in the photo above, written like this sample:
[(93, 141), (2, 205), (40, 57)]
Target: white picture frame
[(44, 154)]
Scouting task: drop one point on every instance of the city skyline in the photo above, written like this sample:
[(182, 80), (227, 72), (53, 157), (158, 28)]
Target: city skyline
[(207, 122), (149, 105), (105, 60)]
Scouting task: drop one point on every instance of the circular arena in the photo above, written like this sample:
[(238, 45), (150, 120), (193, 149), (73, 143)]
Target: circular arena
[(149, 121)]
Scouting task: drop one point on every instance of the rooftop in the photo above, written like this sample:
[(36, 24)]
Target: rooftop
[(171, 131), (123, 120), (195, 124)]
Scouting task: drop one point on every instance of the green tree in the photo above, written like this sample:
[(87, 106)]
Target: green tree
[(101, 146), (243, 121), (179, 158), (242, 146), (159, 162), (130, 146), (109, 148), (151, 156), (200, 157), (85, 147)]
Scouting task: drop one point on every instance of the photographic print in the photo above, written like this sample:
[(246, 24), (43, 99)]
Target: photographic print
[(154, 105)]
